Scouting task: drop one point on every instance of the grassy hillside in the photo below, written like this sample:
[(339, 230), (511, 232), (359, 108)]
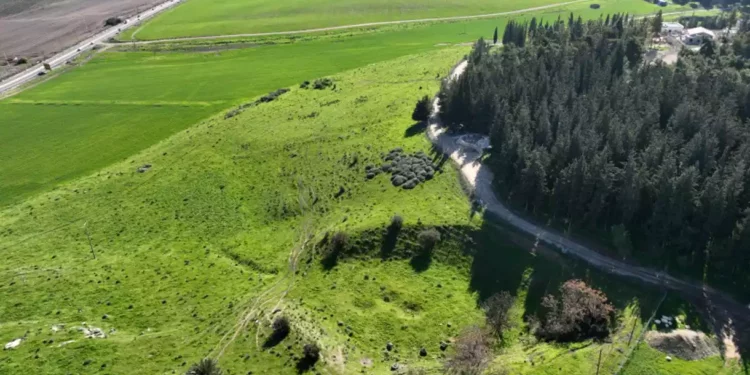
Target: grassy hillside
[(208, 18), (196, 255), (190, 242)]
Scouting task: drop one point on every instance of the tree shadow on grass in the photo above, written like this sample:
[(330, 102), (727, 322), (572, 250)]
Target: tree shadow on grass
[(388, 244), (415, 129), (438, 157), (330, 261), (275, 338), (421, 262), (305, 364)]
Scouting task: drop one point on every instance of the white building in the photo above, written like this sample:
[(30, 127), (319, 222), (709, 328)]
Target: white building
[(698, 35), (672, 28)]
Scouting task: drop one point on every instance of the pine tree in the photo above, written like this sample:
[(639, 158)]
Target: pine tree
[(656, 23), (494, 37)]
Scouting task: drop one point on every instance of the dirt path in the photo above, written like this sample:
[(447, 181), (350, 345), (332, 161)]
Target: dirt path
[(725, 313)]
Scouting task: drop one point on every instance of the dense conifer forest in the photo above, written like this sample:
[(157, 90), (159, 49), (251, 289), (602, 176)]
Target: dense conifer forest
[(587, 133)]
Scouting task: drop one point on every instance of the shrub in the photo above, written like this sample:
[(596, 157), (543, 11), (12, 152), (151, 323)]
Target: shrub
[(272, 95), (496, 311), (280, 326), (397, 222), (112, 21), (473, 353), (581, 312), (423, 109), (339, 242), (21, 60), (311, 352), (428, 238), (206, 366), (322, 83), (595, 6), (304, 85)]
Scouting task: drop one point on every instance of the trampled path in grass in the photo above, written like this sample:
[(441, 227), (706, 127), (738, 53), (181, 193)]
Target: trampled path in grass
[(186, 249)]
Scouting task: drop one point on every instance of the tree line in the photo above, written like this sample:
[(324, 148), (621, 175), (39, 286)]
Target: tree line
[(588, 134)]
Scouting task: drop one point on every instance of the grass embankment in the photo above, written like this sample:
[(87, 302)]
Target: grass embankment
[(203, 239), (207, 18)]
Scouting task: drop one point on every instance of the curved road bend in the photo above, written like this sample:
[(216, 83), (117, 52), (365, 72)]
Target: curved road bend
[(59, 59), (722, 310)]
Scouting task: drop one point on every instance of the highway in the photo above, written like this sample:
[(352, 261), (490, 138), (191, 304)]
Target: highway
[(61, 58)]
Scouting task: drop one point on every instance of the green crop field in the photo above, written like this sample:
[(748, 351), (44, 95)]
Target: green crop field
[(210, 18), (195, 256), (151, 95)]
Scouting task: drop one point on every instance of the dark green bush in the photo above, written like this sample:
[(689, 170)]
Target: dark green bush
[(280, 326), (422, 110), (339, 242), (428, 238), (311, 352), (206, 366), (322, 83), (273, 95)]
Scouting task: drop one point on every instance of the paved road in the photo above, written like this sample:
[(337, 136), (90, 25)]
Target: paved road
[(59, 59), (724, 310)]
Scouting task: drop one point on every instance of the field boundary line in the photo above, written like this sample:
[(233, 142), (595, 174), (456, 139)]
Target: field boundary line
[(367, 24)]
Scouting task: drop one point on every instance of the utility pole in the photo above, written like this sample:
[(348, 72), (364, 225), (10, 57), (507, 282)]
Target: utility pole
[(600, 360)]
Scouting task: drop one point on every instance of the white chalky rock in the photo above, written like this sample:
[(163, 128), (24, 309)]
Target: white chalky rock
[(13, 344)]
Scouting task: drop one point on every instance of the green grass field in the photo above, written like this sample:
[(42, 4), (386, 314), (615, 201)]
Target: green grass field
[(152, 95), (224, 226), (202, 17), (210, 18)]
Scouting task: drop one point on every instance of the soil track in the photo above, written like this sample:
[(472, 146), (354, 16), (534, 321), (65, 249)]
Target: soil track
[(729, 318)]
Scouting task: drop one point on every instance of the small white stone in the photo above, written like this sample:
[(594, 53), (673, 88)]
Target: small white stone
[(668, 358), (13, 344)]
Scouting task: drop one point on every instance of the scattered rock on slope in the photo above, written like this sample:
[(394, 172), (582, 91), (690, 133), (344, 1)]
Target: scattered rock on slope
[(407, 170)]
